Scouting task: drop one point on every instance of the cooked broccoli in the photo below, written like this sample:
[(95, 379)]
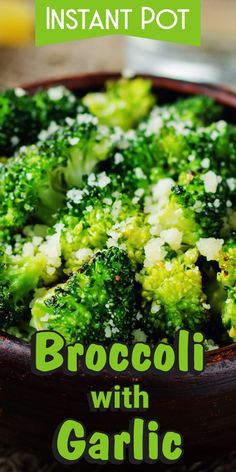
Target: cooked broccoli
[(227, 280), (199, 110), (182, 147), (117, 216), (205, 196), (227, 263), (33, 261), (23, 117), (100, 215), (190, 211), (173, 297), (96, 303), (132, 162), (124, 103), (229, 313), (214, 147), (34, 182)]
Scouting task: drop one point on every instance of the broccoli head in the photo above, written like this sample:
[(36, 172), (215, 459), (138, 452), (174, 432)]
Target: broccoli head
[(172, 296), (196, 207), (214, 147), (229, 313), (206, 196), (180, 147), (132, 162), (34, 182), (96, 303), (30, 263), (199, 111), (227, 282), (124, 103), (227, 264), (23, 117), (100, 215)]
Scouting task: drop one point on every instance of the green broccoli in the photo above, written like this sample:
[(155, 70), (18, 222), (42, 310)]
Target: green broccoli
[(194, 209), (132, 162), (227, 264), (124, 103), (33, 261), (227, 281), (130, 214), (206, 197), (214, 147), (34, 182), (181, 148), (199, 111), (23, 117), (100, 215), (172, 296), (96, 303), (229, 313)]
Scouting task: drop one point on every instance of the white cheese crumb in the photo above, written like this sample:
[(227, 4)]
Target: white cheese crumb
[(108, 332), (103, 180), (205, 163), (210, 248), (162, 188), (173, 237), (75, 195), (139, 336), (15, 140), (118, 158), (83, 254), (56, 93), (155, 307), (211, 181), (154, 252), (20, 92), (231, 184), (73, 141)]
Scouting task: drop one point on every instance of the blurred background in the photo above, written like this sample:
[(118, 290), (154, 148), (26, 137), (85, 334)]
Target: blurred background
[(21, 62), (214, 61)]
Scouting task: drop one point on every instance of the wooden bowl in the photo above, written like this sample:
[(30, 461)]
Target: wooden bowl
[(202, 407)]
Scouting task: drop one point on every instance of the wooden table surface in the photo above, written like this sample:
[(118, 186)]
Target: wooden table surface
[(22, 65)]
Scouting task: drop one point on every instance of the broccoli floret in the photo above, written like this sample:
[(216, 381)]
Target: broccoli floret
[(55, 105), (229, 313), (82, 145), (214, 147), (96, 303), (132, 162), (227, 283), (34, 182), (23, 117), (180, 147), (173, 298), (29, 187), (32, 261), (10, 310), (124, 103), (165, 214), (227, 263), (205, 196), (199, 110), (100, 215), (196, 208)]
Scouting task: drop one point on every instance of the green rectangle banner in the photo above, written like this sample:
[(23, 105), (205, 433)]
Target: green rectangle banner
[(59, 21)]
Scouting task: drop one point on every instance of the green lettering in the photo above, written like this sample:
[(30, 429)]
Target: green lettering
[(47, 347), (70, 443)]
